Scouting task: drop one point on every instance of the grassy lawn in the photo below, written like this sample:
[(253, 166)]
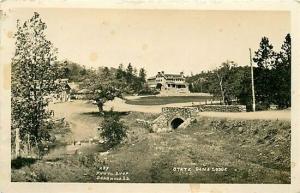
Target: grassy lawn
[(244, 151), (163, 100)]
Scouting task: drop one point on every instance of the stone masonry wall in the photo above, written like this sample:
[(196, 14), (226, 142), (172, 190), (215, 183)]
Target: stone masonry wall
[(183, 112), (222, 108)]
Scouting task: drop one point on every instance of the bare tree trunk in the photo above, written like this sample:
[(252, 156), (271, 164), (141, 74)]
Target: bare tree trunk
[(17, 142), (37, 148), (100, 106), (28, 145), (221, 87)]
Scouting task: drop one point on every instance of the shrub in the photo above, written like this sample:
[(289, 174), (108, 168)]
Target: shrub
[(148, 91), (112, 129), (20, 162), (262, 106)]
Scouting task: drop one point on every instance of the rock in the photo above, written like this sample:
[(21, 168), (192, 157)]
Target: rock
[(78, 143), (240, 129), (104, 153), (22, 172), (154, 127)]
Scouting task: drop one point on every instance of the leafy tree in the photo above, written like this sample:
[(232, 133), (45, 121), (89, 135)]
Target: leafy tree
[(74, 72), (243, 88), (83, 71), (235, 81), (106, 73), (33, 78), (105, 93), (103, 88), (112, 129), (107, 83), (200, 82), (225, 75)]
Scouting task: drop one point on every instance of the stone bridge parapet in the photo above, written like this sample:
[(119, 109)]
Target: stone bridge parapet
[(173, 118)]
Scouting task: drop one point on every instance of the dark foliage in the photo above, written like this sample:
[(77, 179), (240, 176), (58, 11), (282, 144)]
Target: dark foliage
[(20, 162), (272, 78), (112, 129), (33, 79)]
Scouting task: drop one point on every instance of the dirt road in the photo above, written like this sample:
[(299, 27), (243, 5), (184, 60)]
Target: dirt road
[(120, 105), (79, 114), (266, 115)]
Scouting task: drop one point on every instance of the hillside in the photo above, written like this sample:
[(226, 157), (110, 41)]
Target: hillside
[(212, 150)]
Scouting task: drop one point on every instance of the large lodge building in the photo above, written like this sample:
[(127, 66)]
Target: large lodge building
[(169, 83)]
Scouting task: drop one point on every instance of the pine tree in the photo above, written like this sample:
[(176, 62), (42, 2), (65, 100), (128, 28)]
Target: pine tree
[(129, 74), (282, 74), (142, 75), (119, 72), (265, 58)]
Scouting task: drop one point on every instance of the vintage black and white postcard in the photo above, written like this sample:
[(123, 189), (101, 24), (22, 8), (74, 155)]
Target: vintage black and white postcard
[(149, 96)]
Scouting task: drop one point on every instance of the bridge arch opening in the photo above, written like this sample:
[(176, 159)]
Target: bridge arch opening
[(175, 123)]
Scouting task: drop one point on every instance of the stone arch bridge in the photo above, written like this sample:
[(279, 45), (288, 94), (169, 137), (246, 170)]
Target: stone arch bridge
[(173, 118)]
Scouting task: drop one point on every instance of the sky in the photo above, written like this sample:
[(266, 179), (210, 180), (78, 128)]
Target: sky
[(158, 40)]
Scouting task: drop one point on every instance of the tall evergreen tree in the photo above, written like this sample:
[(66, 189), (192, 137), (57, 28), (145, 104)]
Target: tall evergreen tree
[(264, 86), (119, 73), (282, 74), (142, 75), (129, 69), (264, 56)]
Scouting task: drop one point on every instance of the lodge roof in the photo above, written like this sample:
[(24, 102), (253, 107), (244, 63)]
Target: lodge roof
[(173, 75), (166, 76)]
